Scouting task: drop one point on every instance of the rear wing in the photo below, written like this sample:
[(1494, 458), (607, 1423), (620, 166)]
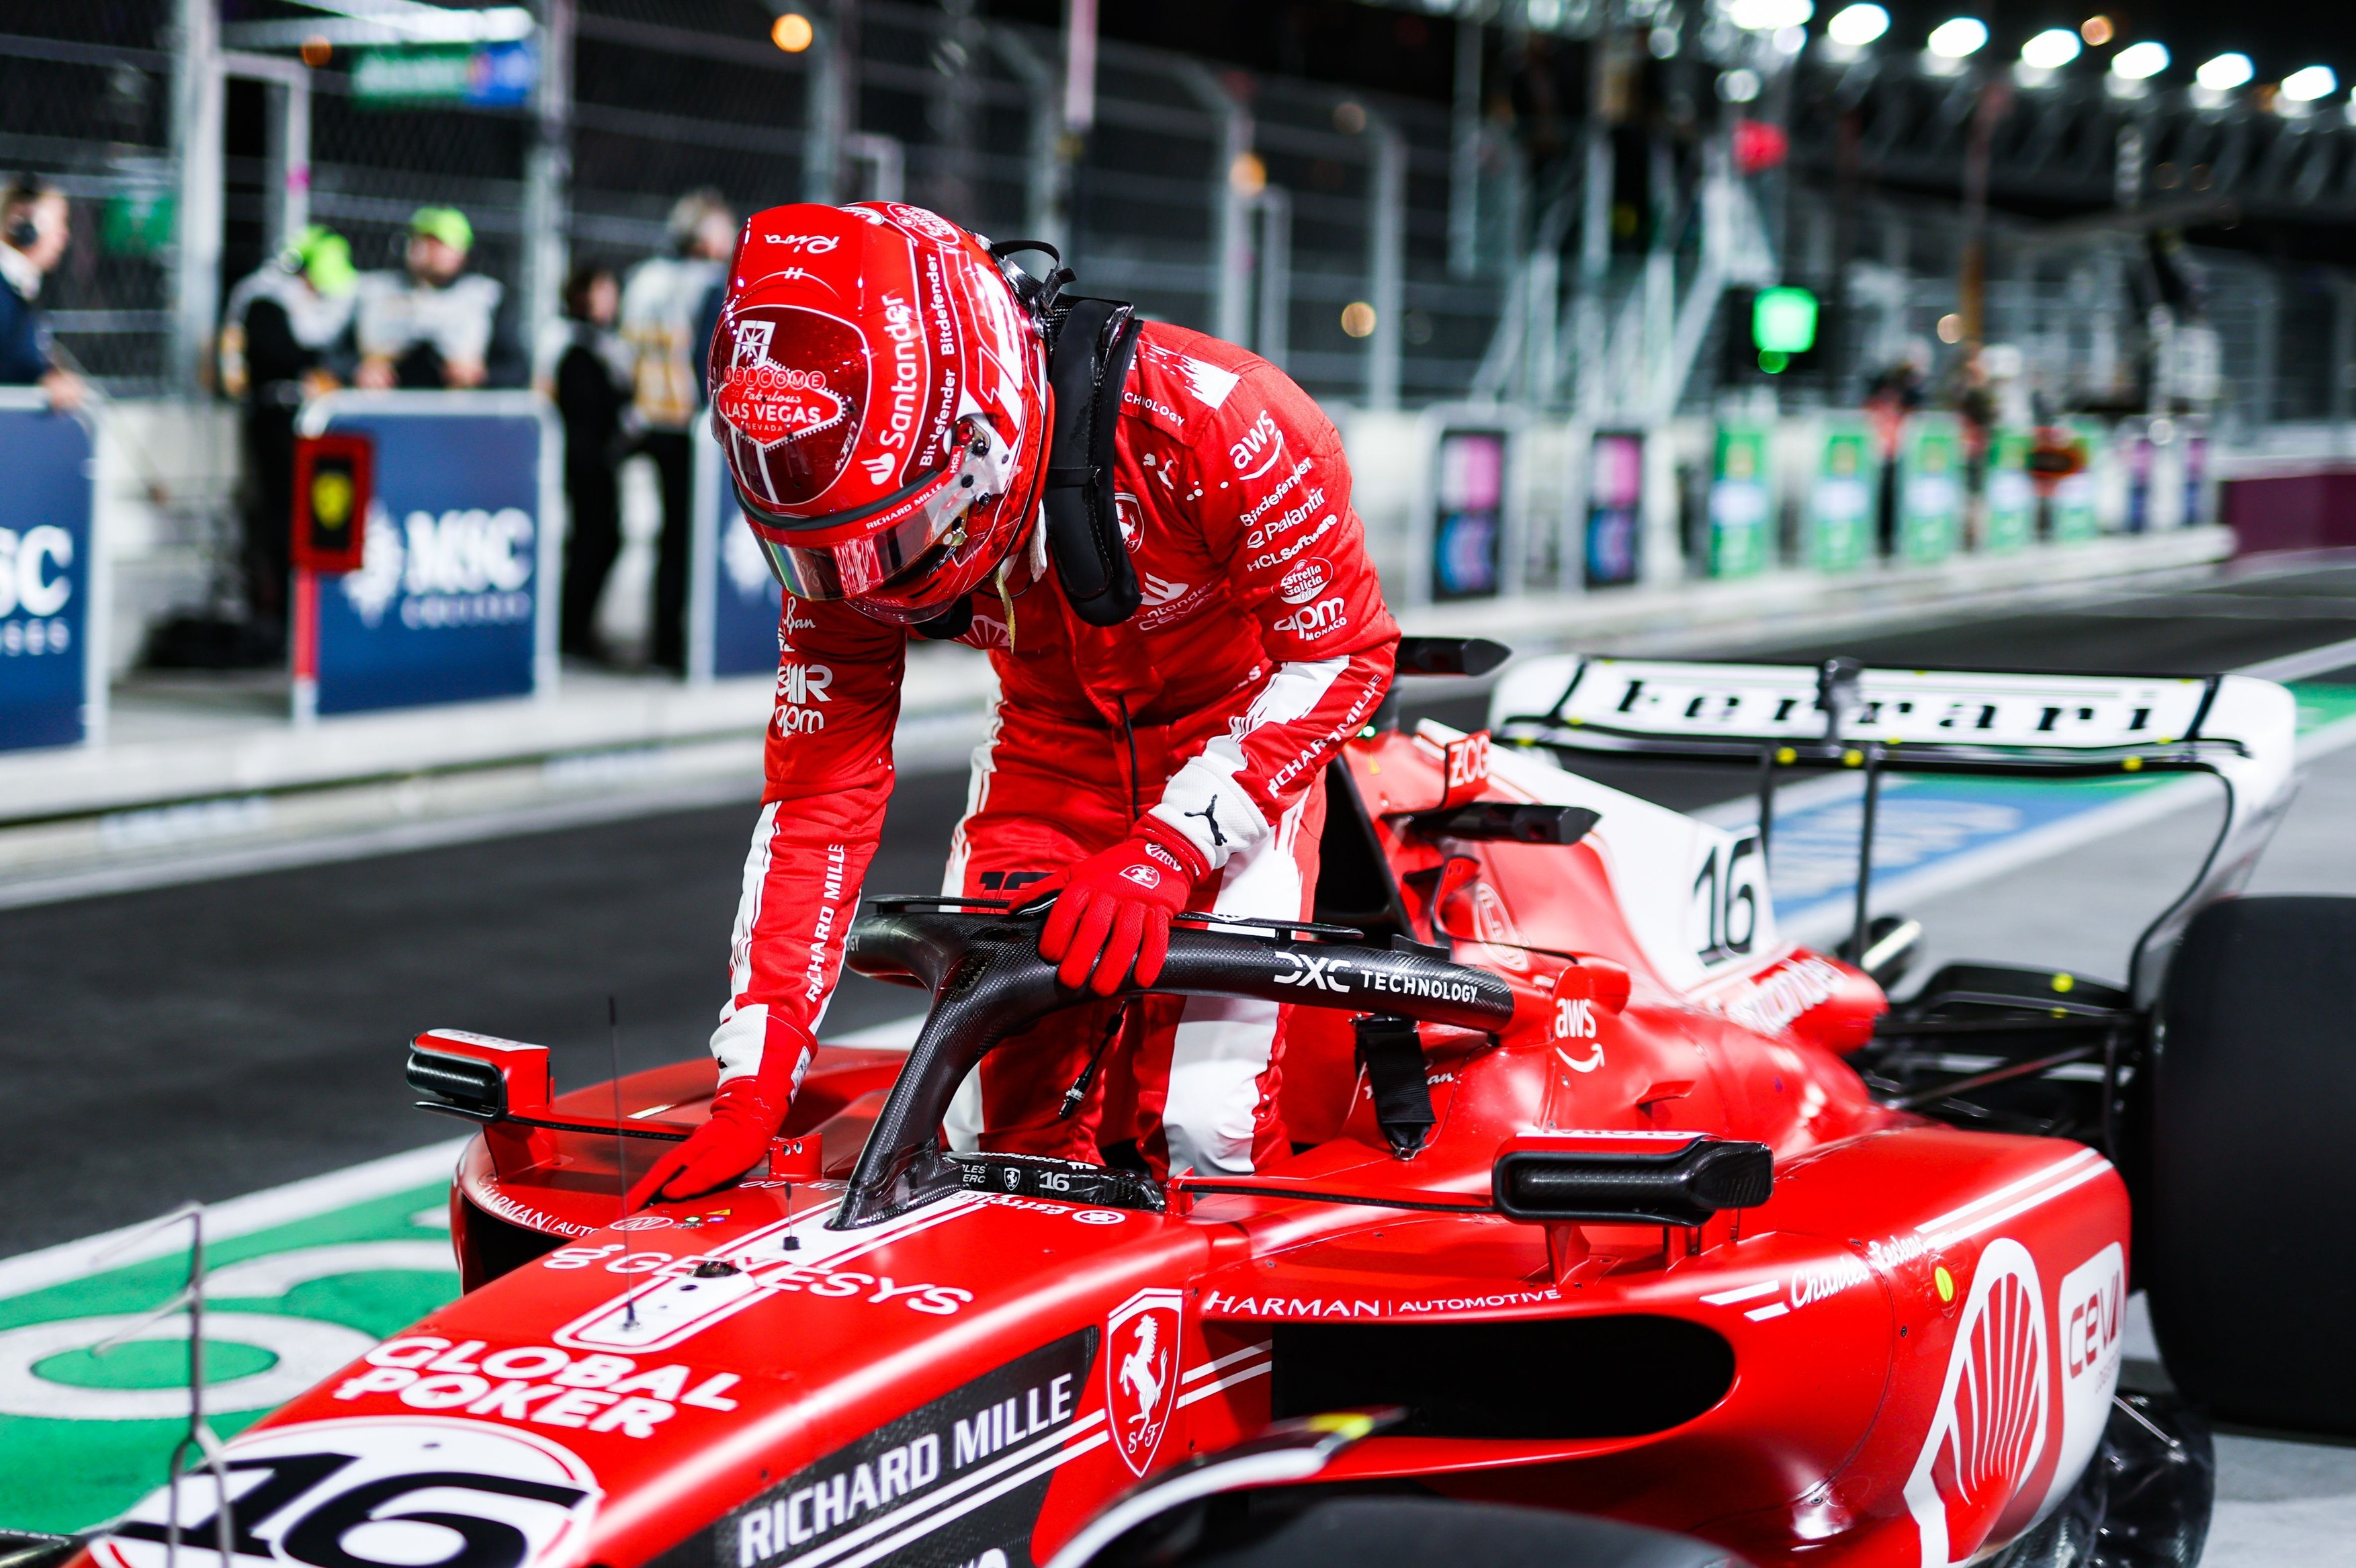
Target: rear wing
[(2241, 730)]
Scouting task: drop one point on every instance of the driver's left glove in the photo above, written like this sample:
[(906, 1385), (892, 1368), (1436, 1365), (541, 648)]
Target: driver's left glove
[(745, 1114), (1114, 908)]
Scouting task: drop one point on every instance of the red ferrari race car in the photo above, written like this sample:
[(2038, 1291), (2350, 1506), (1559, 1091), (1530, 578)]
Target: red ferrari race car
[(1618, 1228)]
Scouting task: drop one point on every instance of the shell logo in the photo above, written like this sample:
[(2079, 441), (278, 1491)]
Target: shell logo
[(1989, 1432)]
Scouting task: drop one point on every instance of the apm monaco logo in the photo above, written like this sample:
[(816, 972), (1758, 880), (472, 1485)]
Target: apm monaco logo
[(1988, 1431), (1141, 1364)]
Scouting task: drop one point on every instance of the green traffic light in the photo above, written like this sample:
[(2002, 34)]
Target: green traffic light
[(1774, 362), (1782, 323)]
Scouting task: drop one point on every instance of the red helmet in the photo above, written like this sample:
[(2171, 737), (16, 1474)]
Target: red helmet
[(882, 398)]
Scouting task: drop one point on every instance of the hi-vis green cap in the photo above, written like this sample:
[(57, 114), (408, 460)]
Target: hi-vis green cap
[(325, 257), (446, 224)]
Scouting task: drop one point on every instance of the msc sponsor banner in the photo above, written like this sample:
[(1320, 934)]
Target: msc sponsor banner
[(455, 598), (733, 602), (960, 1480), (46, 653)]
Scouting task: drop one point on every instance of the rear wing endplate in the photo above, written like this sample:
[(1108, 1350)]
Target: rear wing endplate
[(1842, 714)]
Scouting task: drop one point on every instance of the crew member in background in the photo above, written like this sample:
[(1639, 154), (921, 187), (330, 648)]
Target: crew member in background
[(435, 325), (35, 226), (661, 303), (584, 368), (284, 337), (880, 388)]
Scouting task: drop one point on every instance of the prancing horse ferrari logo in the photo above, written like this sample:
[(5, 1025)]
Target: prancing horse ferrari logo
[(1141, 1362)]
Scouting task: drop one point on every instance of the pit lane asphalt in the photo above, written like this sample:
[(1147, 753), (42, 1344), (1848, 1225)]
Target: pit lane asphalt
[(211, 1039)]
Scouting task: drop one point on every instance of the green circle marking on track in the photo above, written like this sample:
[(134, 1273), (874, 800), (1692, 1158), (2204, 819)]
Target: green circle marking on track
[(84, 1435), (153, 1364)]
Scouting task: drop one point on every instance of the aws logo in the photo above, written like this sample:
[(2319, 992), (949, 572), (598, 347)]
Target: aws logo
[(1255, 452)]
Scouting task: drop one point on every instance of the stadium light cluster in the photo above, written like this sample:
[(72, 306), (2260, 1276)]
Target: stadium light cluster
[(1864, 22)]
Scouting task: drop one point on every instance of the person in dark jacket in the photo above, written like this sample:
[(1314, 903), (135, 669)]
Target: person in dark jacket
[(284, 337), (586, 367), (35, 226)]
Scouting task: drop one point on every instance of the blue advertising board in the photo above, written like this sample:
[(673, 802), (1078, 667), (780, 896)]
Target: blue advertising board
[(456, 598), (732, 600), (52, 669)]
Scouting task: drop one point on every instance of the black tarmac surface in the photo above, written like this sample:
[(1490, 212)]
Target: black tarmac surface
[(217, 1037)]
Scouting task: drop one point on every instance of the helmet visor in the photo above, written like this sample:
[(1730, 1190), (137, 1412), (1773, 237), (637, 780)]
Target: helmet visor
[(850, 554)]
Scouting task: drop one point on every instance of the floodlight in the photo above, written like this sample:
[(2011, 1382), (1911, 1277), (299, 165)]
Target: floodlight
[(1959, 37), (1859, 25)]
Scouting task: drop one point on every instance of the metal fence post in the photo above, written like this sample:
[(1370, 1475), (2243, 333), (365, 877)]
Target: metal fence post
[(196, 114), (1043, 194), (1231, 259), (1273, 340), (548, 172), (1464, 154), (1385, 259), (833, 107)]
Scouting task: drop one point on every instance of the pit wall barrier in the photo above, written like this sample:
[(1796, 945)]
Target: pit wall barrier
[(732, 600), (53, 577), (1472, 501), (457, 594)]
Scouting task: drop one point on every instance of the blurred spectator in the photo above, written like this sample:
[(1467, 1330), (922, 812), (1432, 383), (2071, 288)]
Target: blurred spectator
[(665, 299), (286, 338), (1897, 392), (437, 325), (584, 365), (35, 225)]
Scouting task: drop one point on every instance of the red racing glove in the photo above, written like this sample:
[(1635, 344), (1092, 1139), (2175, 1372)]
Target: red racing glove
[(1114, 908), (745, 1114)]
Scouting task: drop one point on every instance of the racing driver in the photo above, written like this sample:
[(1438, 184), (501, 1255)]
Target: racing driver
[(887, 391)]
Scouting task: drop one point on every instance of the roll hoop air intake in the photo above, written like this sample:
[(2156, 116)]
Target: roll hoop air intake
[(989, 982)]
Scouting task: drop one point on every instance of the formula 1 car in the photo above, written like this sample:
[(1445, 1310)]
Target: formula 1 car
[(1606, 1202)]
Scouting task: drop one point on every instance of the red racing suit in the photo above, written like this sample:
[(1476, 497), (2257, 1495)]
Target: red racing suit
[(1261, 643)]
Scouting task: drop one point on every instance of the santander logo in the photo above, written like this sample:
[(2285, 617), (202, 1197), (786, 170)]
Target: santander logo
[(1987, 1432)]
